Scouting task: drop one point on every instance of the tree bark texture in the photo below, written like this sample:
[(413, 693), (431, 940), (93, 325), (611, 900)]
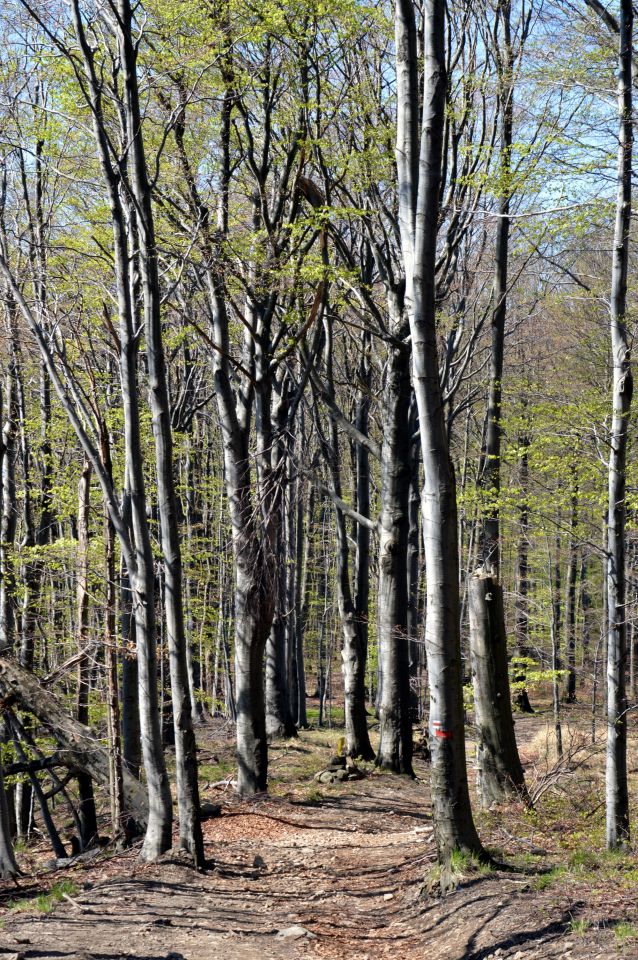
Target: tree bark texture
[(419, 176), (500, 773), (617, 801), (395, 743)]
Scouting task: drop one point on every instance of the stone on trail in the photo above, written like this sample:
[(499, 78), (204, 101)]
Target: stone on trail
[(296, 932)]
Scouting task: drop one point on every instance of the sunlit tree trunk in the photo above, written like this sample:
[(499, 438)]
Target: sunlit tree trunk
[(617, 801), (419, 174)]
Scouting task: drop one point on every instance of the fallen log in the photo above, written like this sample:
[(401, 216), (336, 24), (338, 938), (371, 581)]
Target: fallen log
[(33, 766), (80, 747)]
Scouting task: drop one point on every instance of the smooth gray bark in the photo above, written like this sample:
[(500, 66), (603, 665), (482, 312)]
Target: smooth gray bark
[(500, 773), (190, 834), (617, 800), (571, 579), (87, 812), (419, 175), (497, 743)]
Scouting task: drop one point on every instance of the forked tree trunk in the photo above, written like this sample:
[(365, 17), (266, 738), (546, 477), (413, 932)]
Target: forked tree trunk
[(190, 833)]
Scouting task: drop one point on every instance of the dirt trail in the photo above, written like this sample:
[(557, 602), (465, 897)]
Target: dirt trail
[(350, 872)]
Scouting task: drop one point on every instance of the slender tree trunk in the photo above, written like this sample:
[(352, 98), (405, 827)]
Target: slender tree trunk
[(353, 652), (617, 800), (190, 833), (395, 744), (113, 703), (522, 554), (88, 816), (500, 769), (302, 593), (8, 520), (8, 866), (131, 733), (570, 606), (414, 537), (521, 607), (362, 498), (279, 719), (554, 631)]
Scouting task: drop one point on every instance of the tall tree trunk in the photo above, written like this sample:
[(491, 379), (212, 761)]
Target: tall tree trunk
[(419, 176), (500, 772), (414, 538), (190, 833), (279, 719), (500, 769), (8, 519), (617, 800), (353, 652), (8, 866), (522, 554), (88, 816), (571, 579), (555, 628), (116, 793), (131, 732), (304, 542), (395, 743), (362, 498)]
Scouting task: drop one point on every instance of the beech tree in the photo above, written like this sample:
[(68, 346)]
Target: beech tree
[(419, 154), (272, 279)]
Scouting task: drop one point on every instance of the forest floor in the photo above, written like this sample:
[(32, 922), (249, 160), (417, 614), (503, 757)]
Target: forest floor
[(326, 872)]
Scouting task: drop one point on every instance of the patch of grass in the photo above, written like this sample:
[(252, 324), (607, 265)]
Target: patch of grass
[(625, 931), (44, 902), (579, 926), (465, 863), (314, 798), (337, 716), (217, 771), (548, 879), (584, 861)]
